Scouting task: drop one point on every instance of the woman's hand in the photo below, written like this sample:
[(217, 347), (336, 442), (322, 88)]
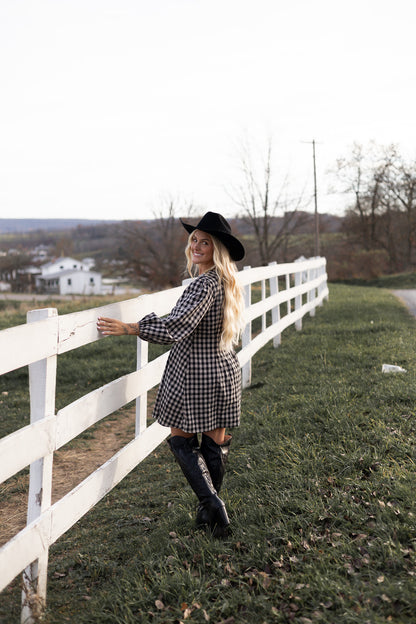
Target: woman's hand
[(114, 327)]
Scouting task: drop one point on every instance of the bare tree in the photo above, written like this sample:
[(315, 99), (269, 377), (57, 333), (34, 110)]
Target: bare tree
[(356, 175), (402, 187), (13, 270), (64, 246), (154, 249), (365, 175), (382, 215), (265, 205)]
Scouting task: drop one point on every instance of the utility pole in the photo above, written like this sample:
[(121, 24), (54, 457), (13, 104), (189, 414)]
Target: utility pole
[(315, 194), (317, 251)]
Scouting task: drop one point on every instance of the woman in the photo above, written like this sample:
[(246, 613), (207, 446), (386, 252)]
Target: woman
[(200, 391)]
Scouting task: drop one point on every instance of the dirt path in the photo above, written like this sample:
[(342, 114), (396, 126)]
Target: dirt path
[(408, 297), (70, 467)]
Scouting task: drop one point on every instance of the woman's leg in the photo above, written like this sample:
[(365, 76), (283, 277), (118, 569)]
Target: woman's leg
[(218, 435), (184, 446), (179, 432)]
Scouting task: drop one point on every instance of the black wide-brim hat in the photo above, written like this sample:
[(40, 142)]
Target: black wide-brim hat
[(213, 223)]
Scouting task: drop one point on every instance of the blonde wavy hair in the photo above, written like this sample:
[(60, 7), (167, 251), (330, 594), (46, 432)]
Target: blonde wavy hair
[(233, 315)]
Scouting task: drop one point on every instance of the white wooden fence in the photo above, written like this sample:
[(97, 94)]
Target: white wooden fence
[(45, 336)]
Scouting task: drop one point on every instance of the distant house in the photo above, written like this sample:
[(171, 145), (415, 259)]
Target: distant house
[(63, 264), (40, 253), (70, 282), (67, 276)]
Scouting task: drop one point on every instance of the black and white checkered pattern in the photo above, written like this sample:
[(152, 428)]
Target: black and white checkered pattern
[(201, 386)]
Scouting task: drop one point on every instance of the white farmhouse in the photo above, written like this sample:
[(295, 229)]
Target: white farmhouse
[(62, 264), (67, 276)]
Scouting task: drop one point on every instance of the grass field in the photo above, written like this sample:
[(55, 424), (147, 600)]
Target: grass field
[(320, 490), (401, 280)]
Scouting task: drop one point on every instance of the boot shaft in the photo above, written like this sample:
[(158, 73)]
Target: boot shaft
[(193, 465), (216, 457), (194, 468)]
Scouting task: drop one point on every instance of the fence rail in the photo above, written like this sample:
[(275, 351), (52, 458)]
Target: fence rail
[(38, 344)]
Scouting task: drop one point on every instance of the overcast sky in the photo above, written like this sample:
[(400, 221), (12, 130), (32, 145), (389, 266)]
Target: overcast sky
[(108, 107)]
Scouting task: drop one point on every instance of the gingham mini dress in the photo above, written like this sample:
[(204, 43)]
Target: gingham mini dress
[(201, 386)]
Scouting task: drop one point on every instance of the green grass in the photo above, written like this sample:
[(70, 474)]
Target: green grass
[(319, 488), (398, 281)]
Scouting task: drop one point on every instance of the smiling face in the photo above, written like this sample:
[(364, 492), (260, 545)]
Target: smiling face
[(202, 250)]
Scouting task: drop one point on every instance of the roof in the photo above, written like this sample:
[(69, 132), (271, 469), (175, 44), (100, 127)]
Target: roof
[(66, 273), (60, 260)]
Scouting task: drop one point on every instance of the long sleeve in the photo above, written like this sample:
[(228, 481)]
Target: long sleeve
[(188, 312)]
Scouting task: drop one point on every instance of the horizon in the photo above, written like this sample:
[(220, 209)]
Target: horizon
[(75, 220)]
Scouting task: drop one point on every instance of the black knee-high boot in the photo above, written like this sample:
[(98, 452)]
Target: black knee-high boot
[(216, 456), (196, 472)]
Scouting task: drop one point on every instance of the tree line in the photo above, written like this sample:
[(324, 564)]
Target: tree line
[(380, 220)]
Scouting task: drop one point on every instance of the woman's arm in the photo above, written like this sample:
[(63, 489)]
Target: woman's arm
[(182, 320), (186, 315), (114, 327)]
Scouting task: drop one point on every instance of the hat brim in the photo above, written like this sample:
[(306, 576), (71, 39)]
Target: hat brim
[(235, 248)]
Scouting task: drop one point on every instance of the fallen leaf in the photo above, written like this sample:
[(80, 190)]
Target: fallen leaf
[(159, 605), (228, 569)]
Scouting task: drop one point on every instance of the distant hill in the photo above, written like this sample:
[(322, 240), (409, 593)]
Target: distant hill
[(305, 223), (328, 223), (31, 225)]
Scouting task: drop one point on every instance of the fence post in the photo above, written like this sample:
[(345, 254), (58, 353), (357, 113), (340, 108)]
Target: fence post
[(322, 286), (42, 387), (274, 289), (321, 271), (288, 303), (246, 336), (311, 291), (141, 401), (263, 297), (298, 299)]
